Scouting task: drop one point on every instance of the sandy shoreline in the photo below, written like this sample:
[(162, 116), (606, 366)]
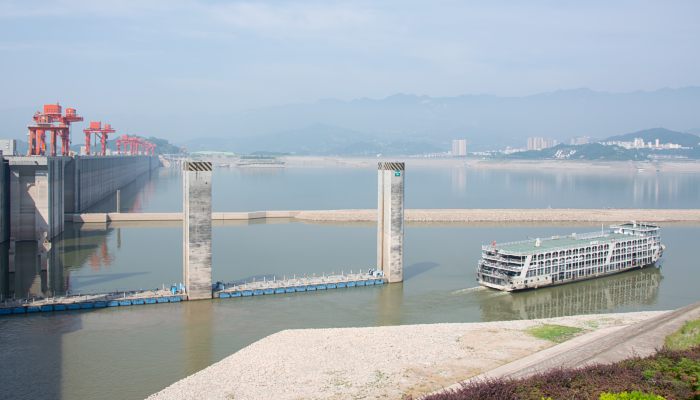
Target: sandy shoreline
[(419, 216), (374, 362), (511, 215), (642, 167)]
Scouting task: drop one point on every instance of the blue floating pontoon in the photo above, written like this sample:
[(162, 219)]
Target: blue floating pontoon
[(175, 299), (331, 286), (100, 304), (47, 308), (311, 288), (352, 284), (236, 294), (257, 292), (162, 300), (279, 290), (150, 300), (59, 307), (247, 293), (5, 311), (138, 302), (125, 302), (321, 286), (85, 306), (269, 291), (299, 288), (360, 283), (74, 306), (289, 290), (18, 310), (369, 282), (342, 284), (224, 295), (33, 309), (113, 303), (379, 281)]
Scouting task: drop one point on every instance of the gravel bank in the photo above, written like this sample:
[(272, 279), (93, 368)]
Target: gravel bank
[(511, 215), (373, 363)]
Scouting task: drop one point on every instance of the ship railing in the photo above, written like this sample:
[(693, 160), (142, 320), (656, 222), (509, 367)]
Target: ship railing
[(584, 236), (502, 259), (538, 250), (500, 266)]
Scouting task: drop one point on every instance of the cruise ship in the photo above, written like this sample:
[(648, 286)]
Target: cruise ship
[(536, 263)]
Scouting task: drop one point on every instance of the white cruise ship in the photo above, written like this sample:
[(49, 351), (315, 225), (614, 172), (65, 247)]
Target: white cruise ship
[(535, 263)]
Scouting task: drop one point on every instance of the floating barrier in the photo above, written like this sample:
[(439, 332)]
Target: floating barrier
[(295, 285), (173, 294), (88, 302)]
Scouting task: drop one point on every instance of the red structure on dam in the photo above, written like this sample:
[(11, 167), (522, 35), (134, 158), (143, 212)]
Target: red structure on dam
[(51, 120)]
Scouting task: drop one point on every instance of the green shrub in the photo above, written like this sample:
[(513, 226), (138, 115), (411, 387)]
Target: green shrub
[(554, 333), (634, 395)]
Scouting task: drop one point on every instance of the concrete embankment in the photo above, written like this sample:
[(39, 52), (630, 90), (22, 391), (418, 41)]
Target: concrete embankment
[(375, 362), (425, 215), (4, 201)]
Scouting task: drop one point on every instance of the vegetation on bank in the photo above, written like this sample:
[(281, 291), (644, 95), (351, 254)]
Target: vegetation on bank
[(686, 337), (672, 373), (554, 333)]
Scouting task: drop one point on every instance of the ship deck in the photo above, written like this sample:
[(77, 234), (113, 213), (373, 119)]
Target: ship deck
[(527, 247)]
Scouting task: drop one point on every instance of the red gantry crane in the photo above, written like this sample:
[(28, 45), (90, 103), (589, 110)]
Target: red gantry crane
[(134, 145), (51, 120), (97, 129)]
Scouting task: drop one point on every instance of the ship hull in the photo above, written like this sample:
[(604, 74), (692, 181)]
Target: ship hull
[(508, 288)]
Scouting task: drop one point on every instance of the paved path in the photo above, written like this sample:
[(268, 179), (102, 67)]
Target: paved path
[(603, 346)]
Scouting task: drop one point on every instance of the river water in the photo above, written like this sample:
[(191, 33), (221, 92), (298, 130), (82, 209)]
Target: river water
[(132, 352)]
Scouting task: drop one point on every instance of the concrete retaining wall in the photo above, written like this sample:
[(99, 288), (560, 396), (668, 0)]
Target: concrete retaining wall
[(4, 201), (36, 197), (41, 190), (91, 179)]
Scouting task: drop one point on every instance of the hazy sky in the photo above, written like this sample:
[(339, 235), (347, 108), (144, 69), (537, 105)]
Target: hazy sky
[(183, 57)]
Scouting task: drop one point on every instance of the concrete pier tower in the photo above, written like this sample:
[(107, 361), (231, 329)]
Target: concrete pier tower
[(390, 220), (196, 257)]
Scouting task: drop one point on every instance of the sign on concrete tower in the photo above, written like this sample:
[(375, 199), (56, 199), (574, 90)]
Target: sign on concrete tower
[(390, 218)]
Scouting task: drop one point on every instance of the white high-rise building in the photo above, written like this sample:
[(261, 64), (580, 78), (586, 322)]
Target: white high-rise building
[(459, 148), (8, 147), (540, 143)]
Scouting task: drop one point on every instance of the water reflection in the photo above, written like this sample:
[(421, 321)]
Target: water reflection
[(389, 304), (459, 180), (612, 293)]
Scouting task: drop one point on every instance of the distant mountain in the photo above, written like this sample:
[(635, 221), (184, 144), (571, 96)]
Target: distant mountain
[(318, 139), (403, 122), (664, 135)]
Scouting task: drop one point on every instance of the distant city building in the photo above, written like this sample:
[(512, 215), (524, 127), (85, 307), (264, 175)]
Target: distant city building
[(8, 147), (579, 140), (459, 148), (540, 143), (638, 143)]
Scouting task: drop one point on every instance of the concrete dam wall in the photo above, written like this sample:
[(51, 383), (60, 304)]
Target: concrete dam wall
[(91, 179), (4, 201), (42, 189)]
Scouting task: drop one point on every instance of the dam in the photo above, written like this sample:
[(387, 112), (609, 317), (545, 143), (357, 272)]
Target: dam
[(37, 191)]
